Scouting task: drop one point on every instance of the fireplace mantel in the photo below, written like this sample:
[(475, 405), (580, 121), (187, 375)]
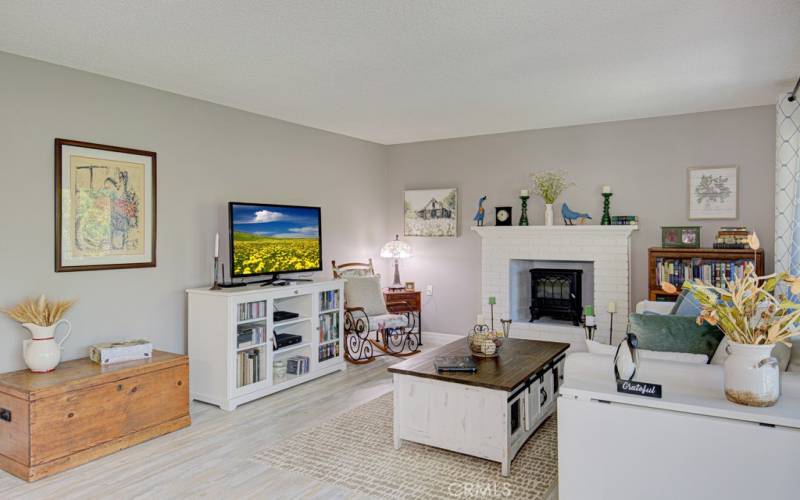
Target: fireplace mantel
[(606, 247), (521, 231)]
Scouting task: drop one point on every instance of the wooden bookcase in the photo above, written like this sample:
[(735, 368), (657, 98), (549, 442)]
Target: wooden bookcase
[(689, 254), (229, 372)]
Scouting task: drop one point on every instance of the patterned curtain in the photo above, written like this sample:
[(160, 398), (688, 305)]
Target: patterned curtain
[(787, 187)]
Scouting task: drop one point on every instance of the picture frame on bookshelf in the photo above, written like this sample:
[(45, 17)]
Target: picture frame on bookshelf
[(713, 192), (680, 236)]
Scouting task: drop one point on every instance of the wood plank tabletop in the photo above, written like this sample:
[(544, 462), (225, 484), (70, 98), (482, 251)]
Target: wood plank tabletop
[(518, 360), (79, 374)]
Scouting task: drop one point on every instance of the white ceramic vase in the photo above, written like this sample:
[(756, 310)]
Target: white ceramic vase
[(42, 353), (548, 214), (752, 375)]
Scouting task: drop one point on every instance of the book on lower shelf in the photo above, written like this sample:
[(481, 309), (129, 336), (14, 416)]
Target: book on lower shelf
[(329, 326), (297, 365), (329, 351), (249, 363), (247, 336)]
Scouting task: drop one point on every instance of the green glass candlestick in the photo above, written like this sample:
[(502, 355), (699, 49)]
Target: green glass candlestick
[(523, 219), (606, 220)]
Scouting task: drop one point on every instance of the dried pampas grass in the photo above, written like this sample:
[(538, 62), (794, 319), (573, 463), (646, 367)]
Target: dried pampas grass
[(39, 311)]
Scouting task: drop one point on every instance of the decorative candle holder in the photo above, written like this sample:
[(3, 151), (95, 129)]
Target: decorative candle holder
[(216, 286), (589, 326), (523, 219), (492, 302), (506, 327), (606, 220), (611, 329)]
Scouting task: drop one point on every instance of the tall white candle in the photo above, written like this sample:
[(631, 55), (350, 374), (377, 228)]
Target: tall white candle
[(612, 307), (480, 320), (606, 189), (216, 246), (524, 192)]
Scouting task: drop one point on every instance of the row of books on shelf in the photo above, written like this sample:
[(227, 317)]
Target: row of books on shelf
[(298, 365), (624, 220), (328, 326), (249, 367), (251, 335), (329, 300), (676, 271), (328, 351), (252, 310)]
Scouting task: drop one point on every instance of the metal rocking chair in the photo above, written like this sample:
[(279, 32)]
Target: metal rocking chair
[(367, 330)]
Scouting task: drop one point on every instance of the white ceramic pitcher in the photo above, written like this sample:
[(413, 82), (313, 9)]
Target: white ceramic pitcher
[(42, 353), (752, 375)]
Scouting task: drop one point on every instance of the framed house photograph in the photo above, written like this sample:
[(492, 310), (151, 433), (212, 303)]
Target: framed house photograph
[(431, 212), (105, 207), (680, 236), (713, 192)]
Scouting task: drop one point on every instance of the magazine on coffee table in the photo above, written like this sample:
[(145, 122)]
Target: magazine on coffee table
[(455, 364)]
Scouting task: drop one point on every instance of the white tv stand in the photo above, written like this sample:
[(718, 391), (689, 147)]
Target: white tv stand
[(227, 374)]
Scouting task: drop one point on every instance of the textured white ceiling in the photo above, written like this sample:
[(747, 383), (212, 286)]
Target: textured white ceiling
[(394, 71)]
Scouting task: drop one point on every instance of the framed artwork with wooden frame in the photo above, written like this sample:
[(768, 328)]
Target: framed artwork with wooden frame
[(713, 192), (105, 207)]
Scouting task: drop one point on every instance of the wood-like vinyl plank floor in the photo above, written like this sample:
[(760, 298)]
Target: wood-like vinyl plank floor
[(212, 458)]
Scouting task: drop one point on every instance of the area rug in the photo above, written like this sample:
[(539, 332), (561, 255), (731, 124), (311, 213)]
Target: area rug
[(355, 450)]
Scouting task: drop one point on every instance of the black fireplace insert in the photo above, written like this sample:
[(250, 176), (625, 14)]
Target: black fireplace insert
[(556, 293)]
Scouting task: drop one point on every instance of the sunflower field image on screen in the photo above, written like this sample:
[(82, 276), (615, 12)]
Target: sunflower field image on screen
[(274, 239)]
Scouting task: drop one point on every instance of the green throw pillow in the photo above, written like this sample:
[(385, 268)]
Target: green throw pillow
[(674, 334)]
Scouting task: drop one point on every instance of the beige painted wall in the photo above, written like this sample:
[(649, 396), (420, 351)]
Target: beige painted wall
[(207, 155), (644, 161)]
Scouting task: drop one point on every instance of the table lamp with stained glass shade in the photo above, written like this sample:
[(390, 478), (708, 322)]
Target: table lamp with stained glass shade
[(396, 250)]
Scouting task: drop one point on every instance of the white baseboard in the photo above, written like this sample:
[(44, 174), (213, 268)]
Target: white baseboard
[(440, 337)]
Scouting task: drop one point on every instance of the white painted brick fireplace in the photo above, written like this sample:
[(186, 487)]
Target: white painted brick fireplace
[(607, 248)]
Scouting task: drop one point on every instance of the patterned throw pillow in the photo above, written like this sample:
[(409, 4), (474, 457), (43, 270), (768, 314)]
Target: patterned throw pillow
[(365, 292)]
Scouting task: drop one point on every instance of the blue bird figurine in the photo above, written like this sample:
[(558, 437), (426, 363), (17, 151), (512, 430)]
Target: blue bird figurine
[(481, 211), (570, 217)]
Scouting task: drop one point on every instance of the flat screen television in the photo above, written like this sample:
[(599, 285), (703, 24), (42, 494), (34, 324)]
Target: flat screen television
[(274, 239)]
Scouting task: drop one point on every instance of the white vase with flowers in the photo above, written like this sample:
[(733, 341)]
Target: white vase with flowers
[(550, 185)]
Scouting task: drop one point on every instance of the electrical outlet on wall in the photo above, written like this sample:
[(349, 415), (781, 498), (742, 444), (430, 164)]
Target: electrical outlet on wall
[(429, 290)]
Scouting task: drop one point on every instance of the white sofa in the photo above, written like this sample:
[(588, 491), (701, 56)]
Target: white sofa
[(690, 444)]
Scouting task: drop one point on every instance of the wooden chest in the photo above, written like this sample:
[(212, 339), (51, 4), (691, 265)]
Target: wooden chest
[(50, 422)]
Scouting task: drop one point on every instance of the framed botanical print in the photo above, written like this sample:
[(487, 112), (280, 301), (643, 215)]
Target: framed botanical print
[(431, 212), (713, 192), (105, 207)]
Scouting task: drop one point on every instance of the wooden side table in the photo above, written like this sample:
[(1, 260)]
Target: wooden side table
[(408, 303)]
